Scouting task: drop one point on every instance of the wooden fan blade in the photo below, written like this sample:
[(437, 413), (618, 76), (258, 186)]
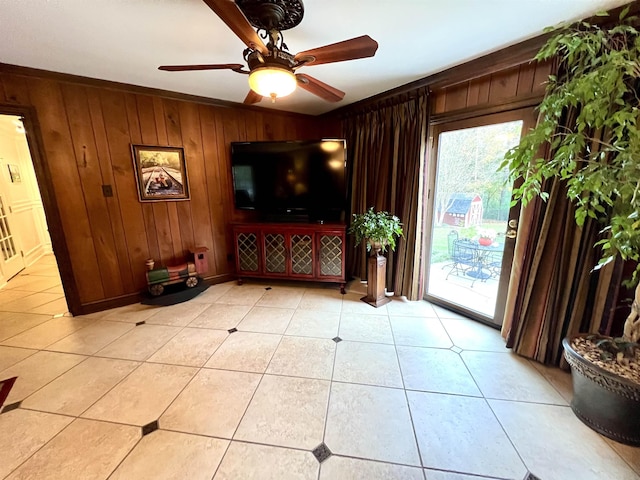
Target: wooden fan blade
[(230, 14), (321, 89), (359, 47), (252, 97), (215, 66)]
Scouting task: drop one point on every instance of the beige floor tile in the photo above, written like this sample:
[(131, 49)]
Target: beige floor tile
[(11, 355), (352, 303), (52, 308), (266, 320), (437, 475), (245, 351), (367, 363), (372, 423), (560, 379), (629, 454), (242, 295), (435, 370), (86, 449), (472, 335), (170, 456), (77, 389), (321, 300), (461, 434), (281, 297), (212, 404), (553, 443), (507, 376), (221, 317), (177, 315), (259, 462), (443, 313), (89, 340), (304, 357), (57, 289), (286, 411), (134, 313), (407, 308), (309, 323), (7, 296), (354, 469), (12, 323), (213, 293), (31, 302), (142, 396), (191, 347), (139, 343), (419, 332), (35, 429), (36, 371), (47, 333), (365, 328), (32, 284)]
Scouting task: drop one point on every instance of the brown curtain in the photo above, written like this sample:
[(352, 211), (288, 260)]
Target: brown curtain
[(386, 150), (553, 291)]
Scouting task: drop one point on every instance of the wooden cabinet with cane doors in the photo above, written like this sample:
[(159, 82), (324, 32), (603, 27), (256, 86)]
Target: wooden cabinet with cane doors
[(313, 252)]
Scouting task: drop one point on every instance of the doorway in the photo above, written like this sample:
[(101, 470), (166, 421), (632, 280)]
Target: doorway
[(29, 277), (471, 225)]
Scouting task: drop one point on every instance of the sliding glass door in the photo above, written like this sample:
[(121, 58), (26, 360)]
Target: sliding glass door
[(472, 227)]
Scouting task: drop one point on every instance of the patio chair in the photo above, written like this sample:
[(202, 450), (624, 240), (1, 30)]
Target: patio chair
[(464, 258), (451, 239)]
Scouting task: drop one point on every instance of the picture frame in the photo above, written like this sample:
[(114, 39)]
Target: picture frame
[(161, 173), (14, 173)]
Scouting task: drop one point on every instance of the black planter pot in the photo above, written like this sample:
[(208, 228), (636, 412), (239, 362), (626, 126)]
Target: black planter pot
[(606, 402)]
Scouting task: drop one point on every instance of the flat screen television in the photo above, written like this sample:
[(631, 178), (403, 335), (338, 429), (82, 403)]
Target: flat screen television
[(291, 181)]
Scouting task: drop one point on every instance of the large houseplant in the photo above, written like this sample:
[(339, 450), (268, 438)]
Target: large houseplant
[(589, 121), (378, 230)]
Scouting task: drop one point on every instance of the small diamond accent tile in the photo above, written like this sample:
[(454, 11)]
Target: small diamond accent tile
[(232, 330), (322, 452), (456, 349), (530, 476), (336, 339), (140, 323), (11, 406), (149, 427)]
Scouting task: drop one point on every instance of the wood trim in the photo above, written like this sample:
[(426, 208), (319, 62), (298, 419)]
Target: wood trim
[(52, 214), (128, 299), (125, 87), (531, 100)]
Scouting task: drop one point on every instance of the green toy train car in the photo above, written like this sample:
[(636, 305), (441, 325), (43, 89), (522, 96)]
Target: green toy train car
[(186, 272)]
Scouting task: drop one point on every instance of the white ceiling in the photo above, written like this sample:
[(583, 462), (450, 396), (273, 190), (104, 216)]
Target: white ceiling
[(126, 40)]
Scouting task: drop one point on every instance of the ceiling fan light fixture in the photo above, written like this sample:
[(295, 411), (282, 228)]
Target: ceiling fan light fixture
[(272, 82)]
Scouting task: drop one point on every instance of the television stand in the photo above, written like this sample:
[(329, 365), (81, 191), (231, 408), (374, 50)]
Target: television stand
[(291, 251)]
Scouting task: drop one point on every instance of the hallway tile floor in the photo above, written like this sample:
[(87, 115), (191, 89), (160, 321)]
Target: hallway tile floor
[(295, 383)]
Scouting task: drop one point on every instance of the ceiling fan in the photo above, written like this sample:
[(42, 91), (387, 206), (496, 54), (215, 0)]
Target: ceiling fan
[(272, 69)]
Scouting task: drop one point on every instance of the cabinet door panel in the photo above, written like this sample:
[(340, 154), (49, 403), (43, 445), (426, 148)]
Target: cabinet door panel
[(275, 253), (247, 251), (331, 255), (302, 253)]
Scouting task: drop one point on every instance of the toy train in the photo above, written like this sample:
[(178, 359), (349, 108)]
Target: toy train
[(186, 272)]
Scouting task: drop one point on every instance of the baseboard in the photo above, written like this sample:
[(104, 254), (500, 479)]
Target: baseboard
[(128, 299)]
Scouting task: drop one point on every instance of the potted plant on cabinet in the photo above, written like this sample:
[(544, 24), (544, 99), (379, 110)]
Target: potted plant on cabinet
[(378, 230), (597, 155)]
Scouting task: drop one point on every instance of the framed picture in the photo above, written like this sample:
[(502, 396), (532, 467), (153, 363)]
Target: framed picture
[(161, 173), (14, 173)]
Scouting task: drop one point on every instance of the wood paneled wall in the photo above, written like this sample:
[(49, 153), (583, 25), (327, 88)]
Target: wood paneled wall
[(526, 81), (86, 134)]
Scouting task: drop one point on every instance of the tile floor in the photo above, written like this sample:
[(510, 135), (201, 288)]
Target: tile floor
[(266, 382)]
